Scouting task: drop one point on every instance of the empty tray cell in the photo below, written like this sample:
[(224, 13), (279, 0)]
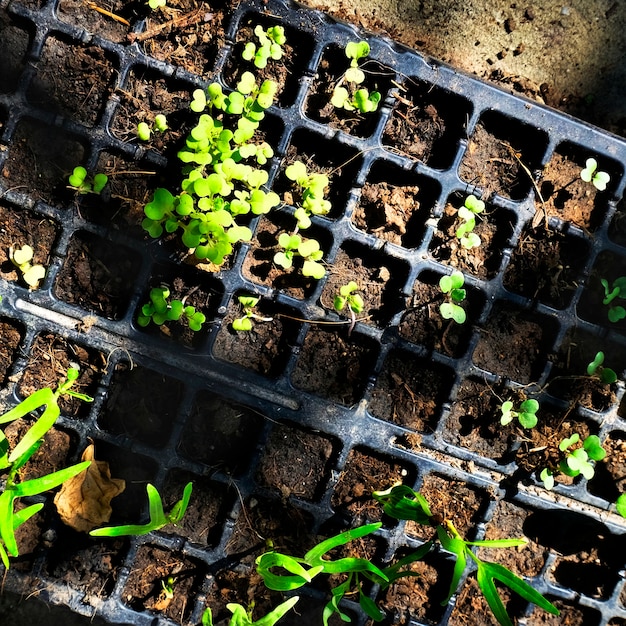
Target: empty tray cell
[(220, 434), (569, 379), (22, 228), (11, 335), (334, 366), (190, 38), (494, 227), (499, 153), (617, 227), (265, 348), (366, 471), (426, 123), (611, 268), (145, 95), (410, 391), (189, 288), (50, 357), (547, 265), (40, 159), (98, 275), (320, 156), (423, 324), (515, 343), (380, 279), (569, 614), (394, 205), (609, 480), (295, 463), (285, 72), (141, 404), (153, 568), (72, 80), (13, 46), (569, 198), (474, 420), (80, 14), (331, 74), (209, 505)]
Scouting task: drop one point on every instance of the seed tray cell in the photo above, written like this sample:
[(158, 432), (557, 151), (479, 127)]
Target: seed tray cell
[(405, 396)]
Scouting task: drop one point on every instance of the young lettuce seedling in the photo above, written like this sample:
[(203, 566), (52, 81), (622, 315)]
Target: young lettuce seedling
[(80, 182), (611, 293), (308, 249), (144, 130), (241, 617), (160, 310), (452, 287), (591, 174), (468, 212), (352, 98), (271, 42), (311, 187), (155, 4), (348, 297), (11, 462), (604, 374), (526, 414), (244, 323), (158, 517), (22, 259), (620, 505)]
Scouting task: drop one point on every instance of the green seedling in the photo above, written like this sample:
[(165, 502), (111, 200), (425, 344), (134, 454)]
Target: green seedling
[(604, 374), (244, 323), (312, 188), (620, 505), (352, 98), (591, 174), (155, 4), (309, 249), (401, 502), (468, 212), (348, 298), (158, 517), (452, 287), (612, 292), (526, 414), (160, 310), (144, 130), (11, 462), (270, 46), (576, 459), (80, 182), (22, 259), (241, 617)]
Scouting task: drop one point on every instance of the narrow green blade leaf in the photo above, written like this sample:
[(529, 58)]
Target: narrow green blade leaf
[(314, 556), (36, 431), (488, 588), (39, 485)]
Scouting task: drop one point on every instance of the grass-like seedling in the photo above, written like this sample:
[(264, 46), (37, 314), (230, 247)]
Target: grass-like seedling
[(591, 174), (281, 572), (353, 97), (12, 461), (158, 517), (604, 374), (270, 46), (575, 459), (161, 309), (241, 617), (295, 246), (612, 292), (144, 130), (401, 502), (244, 323), (467, 213), (620, 505), (526, 414), (82, 183), (452, 287), (22, 259), (347, 297)]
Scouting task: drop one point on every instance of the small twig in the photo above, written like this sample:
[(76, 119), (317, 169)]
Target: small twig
[(183, 21), (117, 18)]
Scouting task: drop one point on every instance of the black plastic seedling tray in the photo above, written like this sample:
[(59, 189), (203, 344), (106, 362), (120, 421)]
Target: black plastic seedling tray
[(349, 411)]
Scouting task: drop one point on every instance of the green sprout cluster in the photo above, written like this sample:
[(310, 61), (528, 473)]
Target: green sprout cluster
[(159, 125), (526, 414), (248, 304), (270, 46), (591, 174), (223, 174), (308, 250), (604, 374), (452, 287), (467, 213), (161, 309), (241, 617), (82, 183), (22, 258), (347, 297), (616, 291), (576, 459), (12, 461), (353, 97)]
